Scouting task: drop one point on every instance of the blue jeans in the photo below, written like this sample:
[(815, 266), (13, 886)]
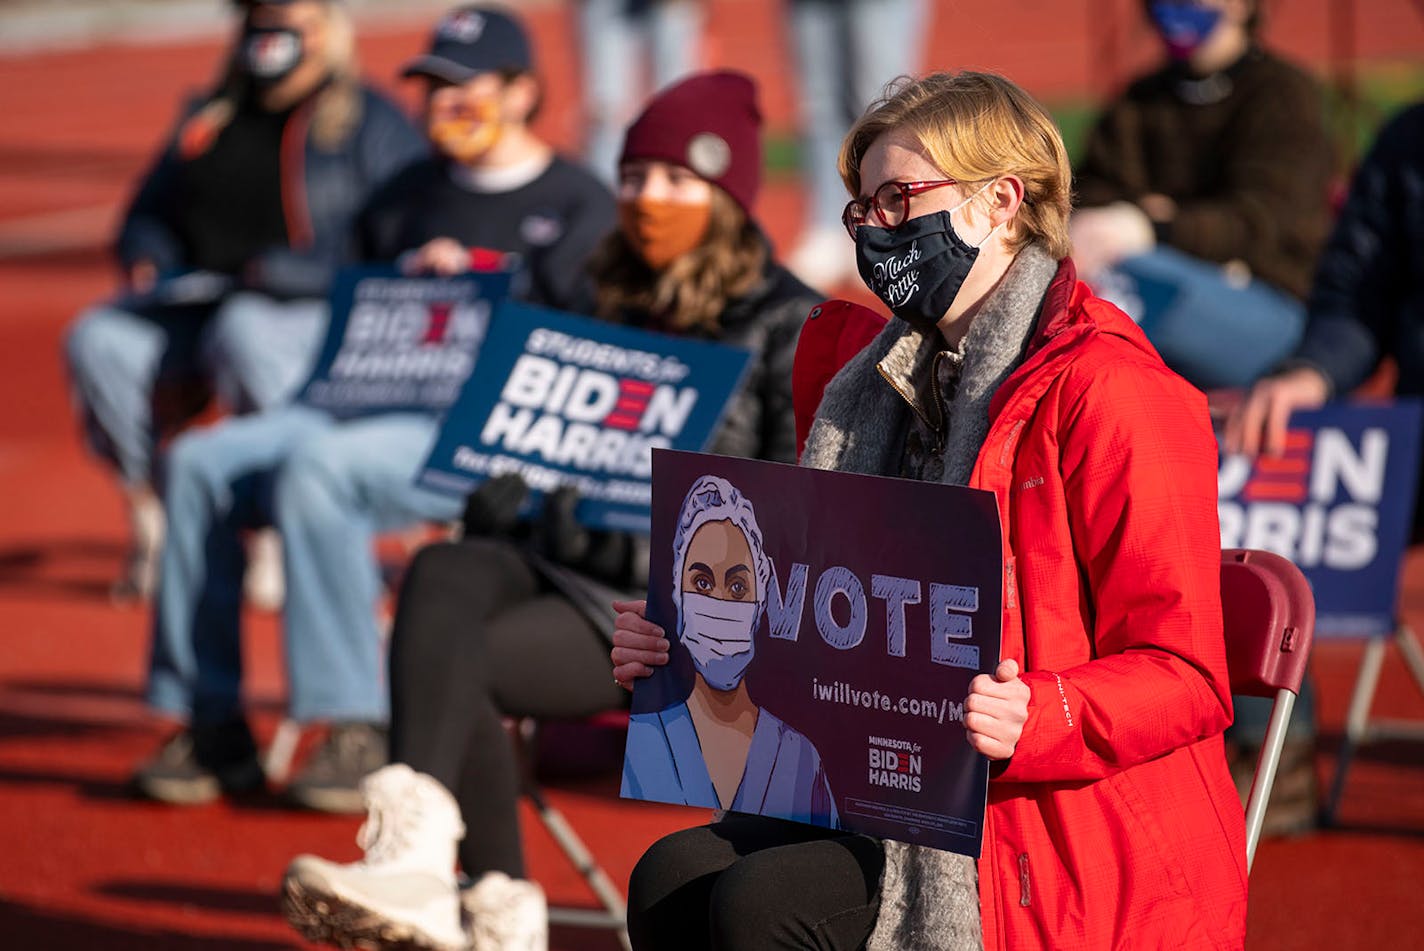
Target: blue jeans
[(255, 350), (614, 34), (1211, 330), (845, 53), (328, 487)]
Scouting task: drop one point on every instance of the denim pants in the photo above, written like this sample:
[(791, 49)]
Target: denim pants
[(328, 487), (845, 53), (620, 38), (1212, 330), (256, 351)]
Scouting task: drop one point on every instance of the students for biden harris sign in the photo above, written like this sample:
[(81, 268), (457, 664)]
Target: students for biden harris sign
[(572, 401), (398, 343), (833, 622)]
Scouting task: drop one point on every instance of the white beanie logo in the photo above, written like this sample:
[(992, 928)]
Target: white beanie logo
[(709, 155)]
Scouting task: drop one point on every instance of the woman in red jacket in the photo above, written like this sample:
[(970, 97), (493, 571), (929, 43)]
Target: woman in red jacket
[(1112, 821)]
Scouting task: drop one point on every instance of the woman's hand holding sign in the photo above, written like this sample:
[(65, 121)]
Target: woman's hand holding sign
[(638, 644), (995, 711)]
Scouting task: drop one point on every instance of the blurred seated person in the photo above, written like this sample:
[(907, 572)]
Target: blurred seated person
[(328, 485), (1367, 302), (1366, 305), (1203, 195), (228, 244), (512, 621)]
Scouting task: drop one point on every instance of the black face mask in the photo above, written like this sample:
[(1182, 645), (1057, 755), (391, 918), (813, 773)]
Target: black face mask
[(916, 268), (269, 54)]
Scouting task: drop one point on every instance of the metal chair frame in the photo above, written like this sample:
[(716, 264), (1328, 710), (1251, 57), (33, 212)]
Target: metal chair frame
[(1268, 615)]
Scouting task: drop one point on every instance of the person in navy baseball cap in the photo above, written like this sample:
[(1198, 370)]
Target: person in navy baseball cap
[(472, 40), (481, 83)]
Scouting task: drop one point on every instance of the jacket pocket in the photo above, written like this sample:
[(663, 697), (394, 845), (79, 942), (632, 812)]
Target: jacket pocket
[(1140, 821)]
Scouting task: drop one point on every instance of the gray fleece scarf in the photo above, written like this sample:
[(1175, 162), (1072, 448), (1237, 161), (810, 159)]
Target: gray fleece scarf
[(929, 900)]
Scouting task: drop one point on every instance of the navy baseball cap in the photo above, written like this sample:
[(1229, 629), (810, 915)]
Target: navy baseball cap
[(473, 40)]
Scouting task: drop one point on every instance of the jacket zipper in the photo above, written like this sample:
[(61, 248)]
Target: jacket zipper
[(1025, 896)]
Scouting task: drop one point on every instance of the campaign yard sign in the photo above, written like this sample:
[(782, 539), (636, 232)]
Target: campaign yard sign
[(398, 343), (566, 400), (825, 627), (1338, 502)]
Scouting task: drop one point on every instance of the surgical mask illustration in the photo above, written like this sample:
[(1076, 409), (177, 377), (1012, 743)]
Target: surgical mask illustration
[(718, 635), (271, 54), (917, 267), (723, 575)]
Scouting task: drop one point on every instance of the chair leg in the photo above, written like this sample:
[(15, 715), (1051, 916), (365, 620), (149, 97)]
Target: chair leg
[(1265, 776), (1357, 721), (524, 735)]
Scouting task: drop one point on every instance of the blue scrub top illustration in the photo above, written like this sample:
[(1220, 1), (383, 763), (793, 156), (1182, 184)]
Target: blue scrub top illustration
[(721, 576)]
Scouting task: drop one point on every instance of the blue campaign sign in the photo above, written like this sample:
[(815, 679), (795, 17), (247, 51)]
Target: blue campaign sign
[(566, 400), (1338, 502), (824, 635), (398, 343)]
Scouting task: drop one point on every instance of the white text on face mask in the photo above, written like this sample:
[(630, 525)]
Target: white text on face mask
[(896, 282)]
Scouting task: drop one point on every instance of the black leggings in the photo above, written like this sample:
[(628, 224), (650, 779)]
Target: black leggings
[(478, 637), (751, 883)]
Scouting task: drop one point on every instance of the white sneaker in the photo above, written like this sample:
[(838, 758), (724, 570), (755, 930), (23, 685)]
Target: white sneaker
[(264, 585), (402, 895), (506, 914), (825, 259)]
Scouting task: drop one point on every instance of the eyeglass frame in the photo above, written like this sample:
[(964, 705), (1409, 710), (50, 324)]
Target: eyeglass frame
[(907, 191)]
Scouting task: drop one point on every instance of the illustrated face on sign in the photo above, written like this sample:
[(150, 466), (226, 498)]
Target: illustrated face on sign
[(719, 564), (722, 574)]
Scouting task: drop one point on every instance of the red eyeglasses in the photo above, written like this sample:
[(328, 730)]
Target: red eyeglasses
[(890, 203)]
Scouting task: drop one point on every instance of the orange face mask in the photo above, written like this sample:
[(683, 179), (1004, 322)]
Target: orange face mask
[(663, 231), (466, 137)]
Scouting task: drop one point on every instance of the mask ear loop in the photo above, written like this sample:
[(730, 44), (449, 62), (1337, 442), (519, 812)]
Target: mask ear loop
[(984, 240)]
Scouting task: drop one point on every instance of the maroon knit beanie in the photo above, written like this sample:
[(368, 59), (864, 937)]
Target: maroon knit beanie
[(709, 123)]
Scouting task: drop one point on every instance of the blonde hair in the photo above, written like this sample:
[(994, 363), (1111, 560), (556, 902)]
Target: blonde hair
[(692, 291), (976, 127)]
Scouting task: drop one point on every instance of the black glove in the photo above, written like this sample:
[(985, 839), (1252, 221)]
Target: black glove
[(557, 535), (493, 508)]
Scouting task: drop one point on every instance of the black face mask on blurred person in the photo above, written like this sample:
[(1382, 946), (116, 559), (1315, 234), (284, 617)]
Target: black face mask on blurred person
[(269, 54)]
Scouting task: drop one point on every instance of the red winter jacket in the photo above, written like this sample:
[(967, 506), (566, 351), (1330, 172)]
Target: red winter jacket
[(1115, 824)]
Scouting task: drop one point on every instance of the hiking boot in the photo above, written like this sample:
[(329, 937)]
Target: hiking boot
[(1294, 806), (402, 894), (331, 779), (199, 764), (506, 914)]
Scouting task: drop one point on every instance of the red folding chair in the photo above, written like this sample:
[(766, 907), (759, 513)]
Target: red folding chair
[(1269, 617)]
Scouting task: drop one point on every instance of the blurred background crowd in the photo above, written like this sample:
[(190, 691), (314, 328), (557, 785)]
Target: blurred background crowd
[(1249, 187)]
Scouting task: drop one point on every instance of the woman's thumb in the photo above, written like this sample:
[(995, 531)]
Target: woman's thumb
[(1006, 671)]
